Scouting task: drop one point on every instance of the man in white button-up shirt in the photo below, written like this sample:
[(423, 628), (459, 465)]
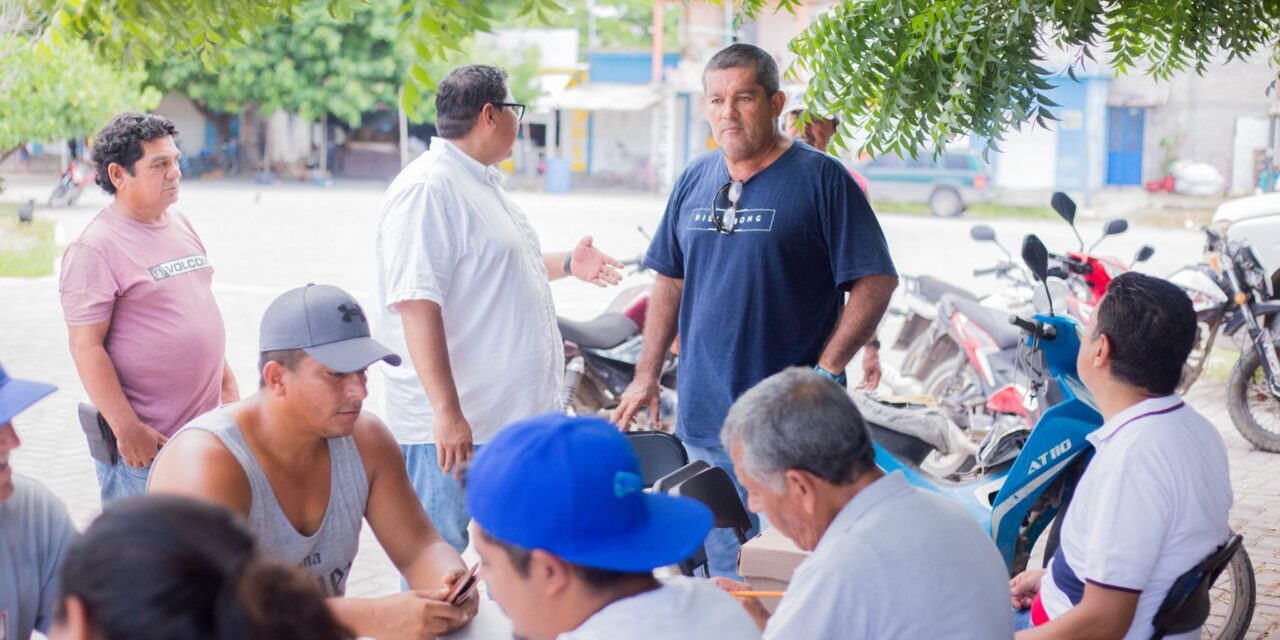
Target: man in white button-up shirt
[(462, 287)]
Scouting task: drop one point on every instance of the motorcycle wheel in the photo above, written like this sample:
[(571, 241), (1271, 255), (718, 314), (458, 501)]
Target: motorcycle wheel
[(56, 198), (1254, 410), (953, 378), (1231, 600)]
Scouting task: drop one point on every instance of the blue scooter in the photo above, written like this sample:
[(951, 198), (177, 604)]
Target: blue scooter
[(1016, 501)]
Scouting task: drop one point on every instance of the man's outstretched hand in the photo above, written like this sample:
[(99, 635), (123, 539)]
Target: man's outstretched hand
[(590, 264)]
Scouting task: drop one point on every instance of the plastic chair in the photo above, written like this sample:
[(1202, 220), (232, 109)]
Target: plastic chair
[(713, 487), (660, 453), (689, 566), (669, 481), (1186, 606)]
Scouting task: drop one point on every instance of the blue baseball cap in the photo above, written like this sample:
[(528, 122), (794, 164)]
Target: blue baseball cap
[(16, 395), (572, 487)]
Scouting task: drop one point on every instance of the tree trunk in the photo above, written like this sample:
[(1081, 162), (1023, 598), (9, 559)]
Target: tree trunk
[(5, 156), (221, 123), (324, 145)]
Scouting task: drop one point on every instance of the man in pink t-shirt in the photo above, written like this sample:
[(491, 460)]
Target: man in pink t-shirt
[(145, 332)]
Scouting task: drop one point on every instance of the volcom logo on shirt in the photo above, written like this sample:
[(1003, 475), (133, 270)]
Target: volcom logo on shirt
[(747, 220), (180, 266)]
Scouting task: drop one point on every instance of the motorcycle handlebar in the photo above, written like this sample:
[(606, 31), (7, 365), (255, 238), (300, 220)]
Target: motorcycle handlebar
[(1000, 269), (1034, 327)]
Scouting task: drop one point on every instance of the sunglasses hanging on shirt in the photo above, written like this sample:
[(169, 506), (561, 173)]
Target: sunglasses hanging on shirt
[(726, 218)]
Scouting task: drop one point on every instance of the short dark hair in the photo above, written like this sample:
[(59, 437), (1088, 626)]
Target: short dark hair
[(740, 55), (290, 358), (462, 95), (595, 578), (157, 567), (1151, 326), (120, 142)]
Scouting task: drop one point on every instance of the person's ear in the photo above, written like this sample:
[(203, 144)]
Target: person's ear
[(74, 624), (551, 575), (116, 172), (802, 488), (778, 101), (273, 377), (1102, 351)]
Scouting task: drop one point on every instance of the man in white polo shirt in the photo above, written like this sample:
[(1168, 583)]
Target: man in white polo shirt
[(462, 287), (1154, 500)]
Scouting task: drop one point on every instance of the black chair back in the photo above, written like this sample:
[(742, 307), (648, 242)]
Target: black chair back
[(660, 453), (713, 487), (665, 484), (1186, 606), (669, 481)]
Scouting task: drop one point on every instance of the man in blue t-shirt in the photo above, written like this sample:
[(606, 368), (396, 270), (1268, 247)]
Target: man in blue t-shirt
[(760, 242)]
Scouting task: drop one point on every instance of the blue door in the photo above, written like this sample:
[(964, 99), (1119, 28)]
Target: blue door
[(1124, 145)]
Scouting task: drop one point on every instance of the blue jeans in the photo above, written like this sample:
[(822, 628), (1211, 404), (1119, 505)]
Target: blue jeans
[(722, 544), (441, 496), (1022, 620), (119, 480)]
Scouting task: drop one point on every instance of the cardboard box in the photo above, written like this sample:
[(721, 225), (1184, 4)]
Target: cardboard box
[(767, 562)]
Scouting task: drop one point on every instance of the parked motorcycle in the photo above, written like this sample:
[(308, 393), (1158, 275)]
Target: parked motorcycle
[(1231, 293), (72, 184), (922, 296), (970, 350), (1017, 500), (601, 356)]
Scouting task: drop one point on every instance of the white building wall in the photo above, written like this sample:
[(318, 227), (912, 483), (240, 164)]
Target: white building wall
[(187, 118)]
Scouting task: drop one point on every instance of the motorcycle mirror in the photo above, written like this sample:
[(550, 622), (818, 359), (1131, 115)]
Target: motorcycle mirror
[(1115, 227), (982, 233), (1111, 228), (1036, 257), (1066, 207), (1144, 254)]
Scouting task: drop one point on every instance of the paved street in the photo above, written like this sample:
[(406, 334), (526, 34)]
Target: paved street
[(263, 240)]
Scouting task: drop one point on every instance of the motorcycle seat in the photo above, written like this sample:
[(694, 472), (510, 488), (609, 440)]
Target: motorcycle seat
[(605, 331), (993, 321), (932, 289)]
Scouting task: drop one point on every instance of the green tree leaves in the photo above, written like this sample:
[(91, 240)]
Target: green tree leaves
[(64, 93), (913, 74)]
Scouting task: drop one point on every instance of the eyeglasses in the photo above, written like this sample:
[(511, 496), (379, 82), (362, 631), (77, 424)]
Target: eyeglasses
[(514, 105), (725, 219)]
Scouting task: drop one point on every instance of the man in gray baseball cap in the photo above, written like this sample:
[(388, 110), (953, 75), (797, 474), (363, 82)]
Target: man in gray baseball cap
[(304, 466)]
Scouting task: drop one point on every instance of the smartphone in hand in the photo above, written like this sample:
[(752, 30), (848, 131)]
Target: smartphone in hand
[(464, 587)]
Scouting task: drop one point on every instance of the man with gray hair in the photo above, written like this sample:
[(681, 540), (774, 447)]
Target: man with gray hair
[(761, 241), (462, 291), (888, 560)]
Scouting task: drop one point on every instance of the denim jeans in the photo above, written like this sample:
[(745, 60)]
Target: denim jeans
[(120, 480), (722, 544), (1022, 620), (440, 494)]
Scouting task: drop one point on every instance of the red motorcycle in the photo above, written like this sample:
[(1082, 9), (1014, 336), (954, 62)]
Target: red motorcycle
[(979, 354), (72, 184), (601, 354)]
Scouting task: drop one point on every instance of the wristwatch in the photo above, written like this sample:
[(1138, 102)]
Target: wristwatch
[(568, 263), (841, 379), (874, 343)]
